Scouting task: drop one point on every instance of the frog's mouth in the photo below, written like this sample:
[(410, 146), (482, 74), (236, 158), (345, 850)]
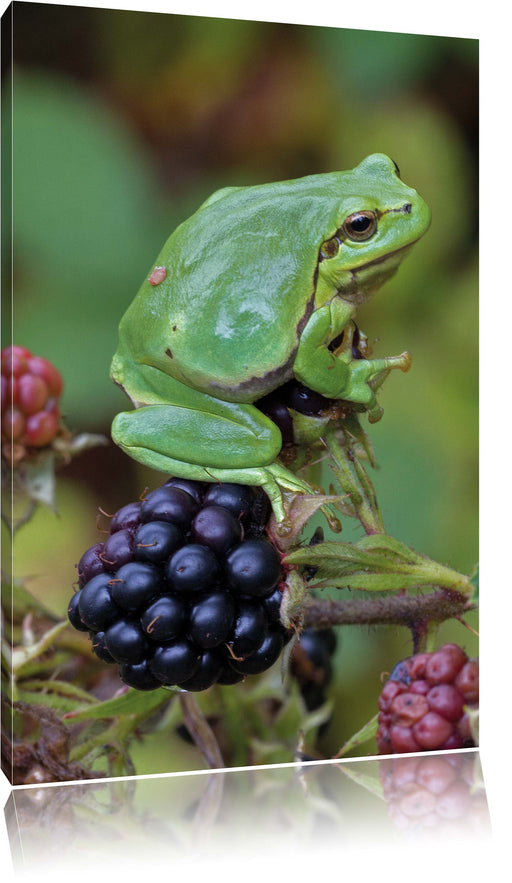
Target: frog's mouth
[(363, 281)]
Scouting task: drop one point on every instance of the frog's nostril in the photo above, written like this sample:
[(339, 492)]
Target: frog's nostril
[(407, 208)]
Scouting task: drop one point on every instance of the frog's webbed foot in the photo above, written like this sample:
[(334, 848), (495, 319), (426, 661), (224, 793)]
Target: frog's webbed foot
[(284, 480)]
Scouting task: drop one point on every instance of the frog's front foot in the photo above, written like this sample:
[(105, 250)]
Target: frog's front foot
[(282, 480), (404, 362), (367, 375)]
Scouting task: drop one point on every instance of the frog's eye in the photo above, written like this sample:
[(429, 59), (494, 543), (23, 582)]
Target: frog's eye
[(330, 248), (360, 226)]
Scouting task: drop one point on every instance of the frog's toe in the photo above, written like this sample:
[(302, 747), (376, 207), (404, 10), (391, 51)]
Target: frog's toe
[(375, 414)]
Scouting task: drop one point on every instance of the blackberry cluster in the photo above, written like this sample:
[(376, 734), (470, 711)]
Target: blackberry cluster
[(310, 664), (185, 590), (31, 387), (422, 706), (434, 794)]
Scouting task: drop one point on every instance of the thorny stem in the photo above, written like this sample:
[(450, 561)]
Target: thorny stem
[(396, 610), (424, 634)]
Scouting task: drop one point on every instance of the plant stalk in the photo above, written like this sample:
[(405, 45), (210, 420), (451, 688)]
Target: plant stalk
[(378, 610), (354, 482)]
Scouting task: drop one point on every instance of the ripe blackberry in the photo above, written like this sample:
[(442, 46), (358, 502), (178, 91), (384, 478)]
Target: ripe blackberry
[(156, 541), (253, 568), (185, 590), (422, 706), (31, 389), (217, 528), (310, 664), (74, 613), (165, 619)]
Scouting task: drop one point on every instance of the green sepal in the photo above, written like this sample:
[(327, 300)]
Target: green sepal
[(307, 429), (33, 482), (292, 604), (351, 426)]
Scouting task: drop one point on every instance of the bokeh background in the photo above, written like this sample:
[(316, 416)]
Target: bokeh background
[(123, 123)]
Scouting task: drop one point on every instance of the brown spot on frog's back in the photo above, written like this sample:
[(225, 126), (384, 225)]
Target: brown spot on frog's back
[(157, 276)]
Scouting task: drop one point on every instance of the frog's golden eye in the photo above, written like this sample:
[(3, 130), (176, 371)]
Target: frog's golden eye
[(360, 226), (330, 248)]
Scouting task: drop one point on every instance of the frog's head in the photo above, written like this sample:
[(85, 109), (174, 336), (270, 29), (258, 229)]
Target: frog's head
[(380, 218)]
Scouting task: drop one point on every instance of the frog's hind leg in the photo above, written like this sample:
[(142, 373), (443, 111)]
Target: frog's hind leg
[(221, 441)]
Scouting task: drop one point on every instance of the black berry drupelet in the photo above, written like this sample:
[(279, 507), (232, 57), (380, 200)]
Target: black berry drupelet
[(186, 588)]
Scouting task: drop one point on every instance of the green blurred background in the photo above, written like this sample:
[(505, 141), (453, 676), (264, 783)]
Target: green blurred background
[(123, 123)]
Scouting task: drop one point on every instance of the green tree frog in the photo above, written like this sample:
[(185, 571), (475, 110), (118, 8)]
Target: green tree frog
[(246, 295)]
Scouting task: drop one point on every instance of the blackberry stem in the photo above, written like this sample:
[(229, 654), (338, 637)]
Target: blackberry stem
[(417, 613), (200, 730)]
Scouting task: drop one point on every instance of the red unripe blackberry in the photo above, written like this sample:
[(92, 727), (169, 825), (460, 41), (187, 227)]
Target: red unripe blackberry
[(185, 590), (422, 706), (39, 367), (434, 794), (40, 429), (31, 387), (13, 424)]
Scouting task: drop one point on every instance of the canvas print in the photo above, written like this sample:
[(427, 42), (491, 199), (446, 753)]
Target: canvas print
[(239, 394)]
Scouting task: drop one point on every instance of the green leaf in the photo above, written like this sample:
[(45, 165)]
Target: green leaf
[(23, 655), (374, 582), (361, 737), (52, 700), (377, 563), (131, 702), (323, 553), (20, 601), (369, 781), (392, 548), (62, 688)]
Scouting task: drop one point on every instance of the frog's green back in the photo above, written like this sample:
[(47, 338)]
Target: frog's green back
[(236, 291), (240, 281)]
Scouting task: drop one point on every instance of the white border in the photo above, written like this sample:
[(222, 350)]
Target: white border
[(489, 23)]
